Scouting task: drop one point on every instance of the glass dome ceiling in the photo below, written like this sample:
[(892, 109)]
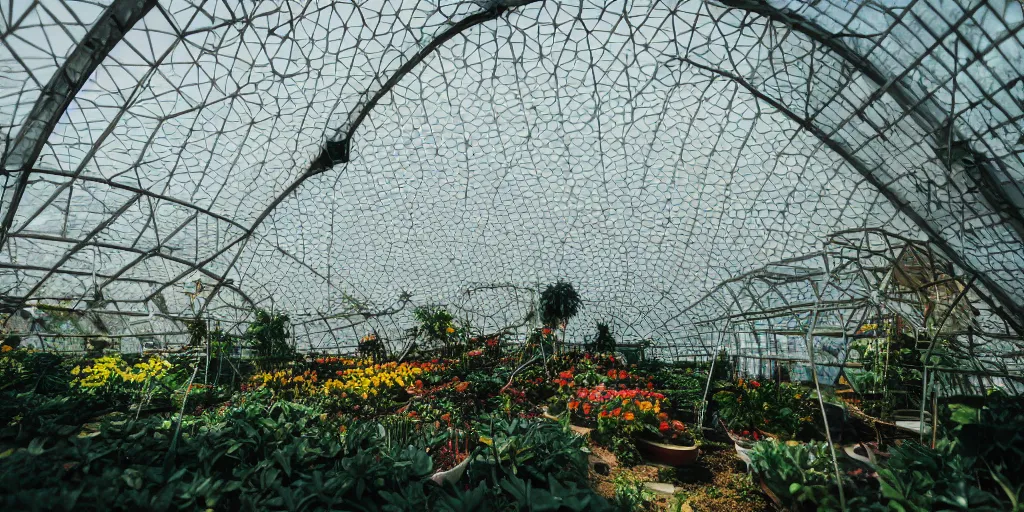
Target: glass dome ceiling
[(342, 161)]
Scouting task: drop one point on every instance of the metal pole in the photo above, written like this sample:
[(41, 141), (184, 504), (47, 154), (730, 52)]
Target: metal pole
[(817, 386), (711, 371)]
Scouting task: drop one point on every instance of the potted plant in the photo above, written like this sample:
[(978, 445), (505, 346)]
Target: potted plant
[(451, 461), (670, 443)]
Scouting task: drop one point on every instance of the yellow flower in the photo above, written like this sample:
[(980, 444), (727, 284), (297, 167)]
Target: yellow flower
[(6, 348), (450, 329)]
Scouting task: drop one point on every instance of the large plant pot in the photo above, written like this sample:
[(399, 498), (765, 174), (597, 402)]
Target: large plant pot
[(668, 454), (452, 475)]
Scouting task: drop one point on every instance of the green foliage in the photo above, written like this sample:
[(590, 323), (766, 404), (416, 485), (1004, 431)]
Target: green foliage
[(783, 409), (559, 303), (437, 328), (268, 336), (630, 493), (919, 479), (625, 450), (996, 436), (800, 475), (604, 342)]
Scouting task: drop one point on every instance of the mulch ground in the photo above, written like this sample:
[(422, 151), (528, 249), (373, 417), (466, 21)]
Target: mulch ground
[(717, 482)]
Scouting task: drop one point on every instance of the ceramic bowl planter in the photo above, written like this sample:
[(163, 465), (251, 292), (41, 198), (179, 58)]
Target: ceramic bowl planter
[(451, 475), (668, 454)]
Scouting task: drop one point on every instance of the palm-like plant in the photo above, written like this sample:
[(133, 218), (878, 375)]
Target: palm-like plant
[(559, 303)]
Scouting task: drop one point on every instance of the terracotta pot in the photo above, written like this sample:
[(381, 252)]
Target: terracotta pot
[(668, 454), (452, 475)]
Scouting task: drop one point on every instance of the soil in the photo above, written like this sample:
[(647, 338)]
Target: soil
[(717, 482)]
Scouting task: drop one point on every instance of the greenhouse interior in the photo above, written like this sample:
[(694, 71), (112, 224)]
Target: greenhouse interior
[(536, 255)]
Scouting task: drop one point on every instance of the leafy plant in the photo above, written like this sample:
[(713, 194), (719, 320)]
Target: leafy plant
[(437, 328), (800, 475), (559, 303), (268, 336), (919, 479), (630, 493), (604, 342)]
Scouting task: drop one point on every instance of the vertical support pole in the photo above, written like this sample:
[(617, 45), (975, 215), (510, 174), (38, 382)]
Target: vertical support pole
[(711, 372), (821, 403)]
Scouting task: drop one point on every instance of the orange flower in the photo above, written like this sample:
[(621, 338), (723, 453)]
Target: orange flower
[(446, 417), (663, 416), (617, 411), (612, 374), (628, 416), (623, 374), (586, 409), (461, 387), (573, 405)]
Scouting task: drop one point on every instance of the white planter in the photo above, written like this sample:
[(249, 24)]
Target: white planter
[(452, 475)]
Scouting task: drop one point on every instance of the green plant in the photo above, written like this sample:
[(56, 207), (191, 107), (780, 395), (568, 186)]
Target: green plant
[(783, 409), (630, 493), (437, 327), (267, 335), (801, 475), (559, 303), (918, 479), (604, 342)]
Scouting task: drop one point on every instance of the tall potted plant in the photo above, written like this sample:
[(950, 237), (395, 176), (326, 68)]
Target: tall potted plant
[(559, 303)]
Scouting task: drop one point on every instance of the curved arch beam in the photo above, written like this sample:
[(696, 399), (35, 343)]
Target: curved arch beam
[(1010, 308), (57, 95), (337, 148), (984, 170)]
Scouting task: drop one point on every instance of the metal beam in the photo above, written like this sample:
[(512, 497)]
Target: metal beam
[(109, 29)]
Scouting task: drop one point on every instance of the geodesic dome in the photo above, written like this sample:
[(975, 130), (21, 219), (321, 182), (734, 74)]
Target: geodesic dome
[(343, 161)]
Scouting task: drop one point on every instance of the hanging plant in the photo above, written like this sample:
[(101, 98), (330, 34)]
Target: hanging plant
[(559, 303)]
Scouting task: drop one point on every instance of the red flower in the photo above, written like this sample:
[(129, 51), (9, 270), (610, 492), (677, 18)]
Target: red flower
[(546, 331), (664, 426), (566, 374), (612, 374), (586, 408), (617, 411), (650, 385), (623, 374), (755, 383)]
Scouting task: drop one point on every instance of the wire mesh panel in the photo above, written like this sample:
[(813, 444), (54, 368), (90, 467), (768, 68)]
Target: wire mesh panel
[(346, 162)]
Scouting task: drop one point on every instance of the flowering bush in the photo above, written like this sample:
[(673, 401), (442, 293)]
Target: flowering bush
[(371, 380), (110, 370), (361, 382), (615, 410), (753, 405)]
